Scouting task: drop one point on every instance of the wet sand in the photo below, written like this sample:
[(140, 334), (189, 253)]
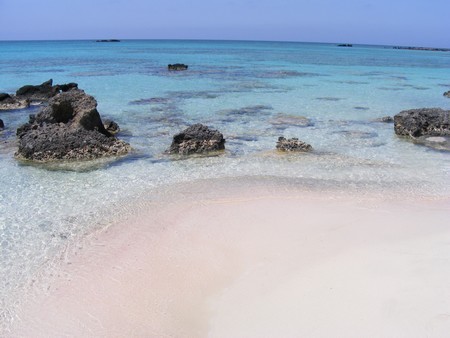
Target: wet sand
[(256, 262)]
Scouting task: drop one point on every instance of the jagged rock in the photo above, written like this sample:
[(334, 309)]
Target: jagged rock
[(111, 126), (292, 144), (70, 127), (422, 122), (197, 139), (447, 94), (385, 119), (177, 66), (2, 125)]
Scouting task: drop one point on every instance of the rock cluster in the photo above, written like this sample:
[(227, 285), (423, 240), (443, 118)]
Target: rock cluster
[(292, 144), (422, 122), (33, 93), (177, 66), (68, 128), (197, 139)]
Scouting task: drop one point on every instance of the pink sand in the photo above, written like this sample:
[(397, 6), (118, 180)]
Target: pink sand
[(259, 263)]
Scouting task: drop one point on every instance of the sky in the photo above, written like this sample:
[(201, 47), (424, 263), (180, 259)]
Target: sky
[(385, 22)]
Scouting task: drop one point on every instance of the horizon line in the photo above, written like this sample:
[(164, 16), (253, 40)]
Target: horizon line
[(223, 40)]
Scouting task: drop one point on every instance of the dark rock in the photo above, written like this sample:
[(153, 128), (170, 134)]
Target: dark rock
[(8, 102), (67, 86), (111, 126), (70, 127), (42, 92), (292, 144), (177, 66), (447, 94), (108, 40), (4, 96), (2, 125), (197, 139), (422, 122), (385, 119), (345, 45)]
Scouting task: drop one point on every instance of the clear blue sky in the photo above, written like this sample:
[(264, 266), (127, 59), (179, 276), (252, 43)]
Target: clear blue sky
[(397, 22)]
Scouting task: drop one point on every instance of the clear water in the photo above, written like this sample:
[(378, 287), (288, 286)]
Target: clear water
[(244, 89)]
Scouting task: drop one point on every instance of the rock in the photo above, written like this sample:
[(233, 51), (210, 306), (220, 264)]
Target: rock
[(177, 66), (345, 45), (292, 144), (68, 128), (284, 121), (8, 102), (2, 125), (447, 94), (197, 139), (111, 126), (422, 122), (385, 119), (44, 91), (67, 86), (4, 96), (108, 40), (431, 49)]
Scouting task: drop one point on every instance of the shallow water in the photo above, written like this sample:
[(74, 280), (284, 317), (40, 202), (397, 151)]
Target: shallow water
[(250, 91)]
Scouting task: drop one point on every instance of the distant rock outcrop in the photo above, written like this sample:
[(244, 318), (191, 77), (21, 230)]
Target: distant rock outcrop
[(292, 144), (177, 66), (430, 49), (108, 40), (197, 139), (68, 128), (422, 122), (345, 45)]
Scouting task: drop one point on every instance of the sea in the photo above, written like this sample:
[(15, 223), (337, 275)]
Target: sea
[(253, 92)]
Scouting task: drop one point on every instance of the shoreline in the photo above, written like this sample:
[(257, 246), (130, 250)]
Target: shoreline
[(241, 257)]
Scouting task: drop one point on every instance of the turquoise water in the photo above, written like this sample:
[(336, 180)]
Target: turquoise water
[(253, 92)]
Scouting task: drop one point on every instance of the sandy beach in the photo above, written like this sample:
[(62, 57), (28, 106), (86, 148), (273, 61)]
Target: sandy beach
[(251, 261)]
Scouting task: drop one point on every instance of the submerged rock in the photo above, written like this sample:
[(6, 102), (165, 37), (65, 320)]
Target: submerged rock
[(422, 122), (447, 94), (177, 66), (197, 139), (385, 119), (2, 125), (70, 127), (292, 144), (284, 121)]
